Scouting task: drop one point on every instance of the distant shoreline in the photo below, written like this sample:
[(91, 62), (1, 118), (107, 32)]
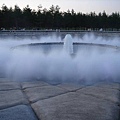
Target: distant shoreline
[(57, 30)]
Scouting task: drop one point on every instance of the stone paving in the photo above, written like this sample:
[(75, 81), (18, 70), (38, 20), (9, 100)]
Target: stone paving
[(42, 101)]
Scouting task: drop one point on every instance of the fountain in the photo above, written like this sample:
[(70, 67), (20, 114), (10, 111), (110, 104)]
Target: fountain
[(68, 44), (64, 60)]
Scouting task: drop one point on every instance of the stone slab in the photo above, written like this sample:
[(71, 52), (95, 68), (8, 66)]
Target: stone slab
[(33, 84), (76, 106), (39, 93), (70, 87), (20, 112), (11, 98), (9, 86), (106, 93), (109, 85)]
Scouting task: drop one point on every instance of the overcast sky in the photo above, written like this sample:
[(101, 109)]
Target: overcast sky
[(85, 6)]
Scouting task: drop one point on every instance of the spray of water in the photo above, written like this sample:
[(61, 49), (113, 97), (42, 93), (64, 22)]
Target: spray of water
[(87, 66), (68, 44)]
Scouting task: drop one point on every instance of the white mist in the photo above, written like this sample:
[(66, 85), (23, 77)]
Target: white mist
[(88, 65)]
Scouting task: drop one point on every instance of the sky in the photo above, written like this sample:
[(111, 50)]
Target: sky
[(84, 6)]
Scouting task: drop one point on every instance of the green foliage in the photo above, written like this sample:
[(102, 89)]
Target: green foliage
[(15, 18)]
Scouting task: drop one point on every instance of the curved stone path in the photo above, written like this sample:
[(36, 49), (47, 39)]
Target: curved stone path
[(42, 101)]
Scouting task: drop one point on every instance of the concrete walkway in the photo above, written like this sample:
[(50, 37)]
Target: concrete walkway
[(42, 101)]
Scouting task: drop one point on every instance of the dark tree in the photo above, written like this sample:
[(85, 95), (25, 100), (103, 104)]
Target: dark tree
[(53, 18)]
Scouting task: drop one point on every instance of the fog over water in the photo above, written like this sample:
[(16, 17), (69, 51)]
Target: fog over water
[(86, 66)]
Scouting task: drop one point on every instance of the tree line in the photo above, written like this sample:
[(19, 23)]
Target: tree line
[(53, 18)]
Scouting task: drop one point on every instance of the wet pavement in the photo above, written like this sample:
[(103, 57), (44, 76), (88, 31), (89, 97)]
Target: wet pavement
[(42, 101)]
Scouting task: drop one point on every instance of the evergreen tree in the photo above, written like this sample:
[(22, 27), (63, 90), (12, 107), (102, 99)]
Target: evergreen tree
[(53, 18)]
